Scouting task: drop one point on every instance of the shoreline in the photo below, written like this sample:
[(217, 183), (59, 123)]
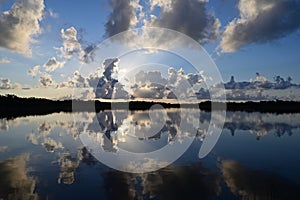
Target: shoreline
[(12, 106)]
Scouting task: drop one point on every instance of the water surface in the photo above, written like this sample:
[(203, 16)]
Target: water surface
[(256, 157)]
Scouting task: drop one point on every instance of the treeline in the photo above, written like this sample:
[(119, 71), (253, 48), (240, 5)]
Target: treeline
[(12, 106)]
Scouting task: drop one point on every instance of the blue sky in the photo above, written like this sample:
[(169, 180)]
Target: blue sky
[(270, 51)]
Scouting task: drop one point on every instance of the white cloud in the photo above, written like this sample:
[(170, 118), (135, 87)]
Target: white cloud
[(34, 71), (5, 61), (46, 80), (177, 84), (77, 81), (20, 24), (260, 21), (120, 92), (5, 83), (166, 5), (52, 64), (87, 94), (71, 44)]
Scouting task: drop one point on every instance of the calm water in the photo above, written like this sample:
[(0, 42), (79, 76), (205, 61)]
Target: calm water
[(256, 157)]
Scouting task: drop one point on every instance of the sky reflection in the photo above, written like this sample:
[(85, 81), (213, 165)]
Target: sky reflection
[(41, 155)]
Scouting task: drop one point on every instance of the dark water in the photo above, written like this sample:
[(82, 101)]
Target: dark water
[(256, 157)]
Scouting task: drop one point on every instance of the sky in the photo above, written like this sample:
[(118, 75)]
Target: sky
[(44, 44)]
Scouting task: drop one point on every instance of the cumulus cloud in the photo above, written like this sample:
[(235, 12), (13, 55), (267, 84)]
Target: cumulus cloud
[(120, 92), (259, 88), (146, 84), (79, 80), (189, 17), (34, 71), (177, 84), (101, 84), (5, 83), (166, 5), (261, 21), (46, 80), (106, 84), (122, 17), (71, 44), (261, 82), (4, 61), (52, 64), (20, 24), (87, 94)]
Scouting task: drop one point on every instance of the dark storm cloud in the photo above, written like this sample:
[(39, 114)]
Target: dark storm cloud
[(191, 18), (120, 18), (261, 21)]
